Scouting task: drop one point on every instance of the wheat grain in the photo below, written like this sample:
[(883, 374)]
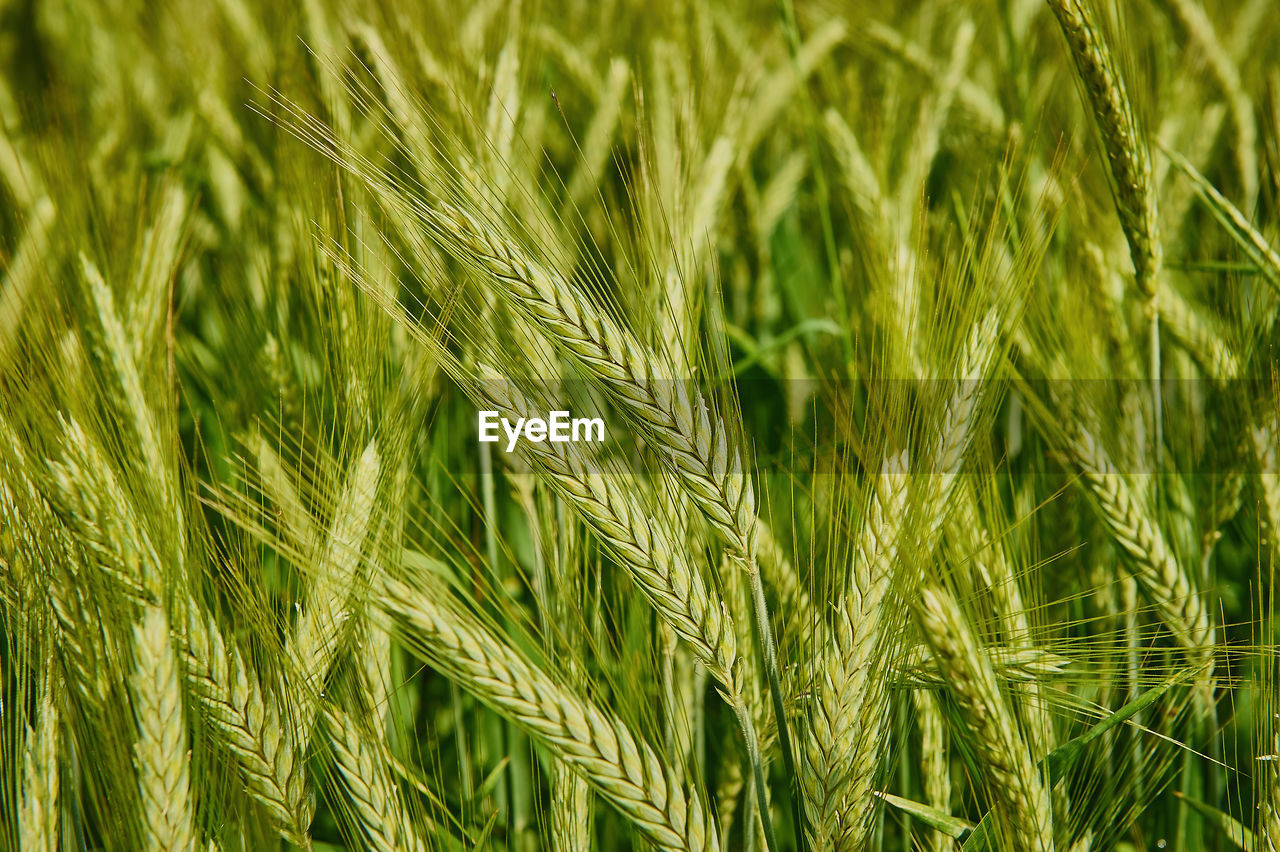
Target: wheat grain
[(365, 774)]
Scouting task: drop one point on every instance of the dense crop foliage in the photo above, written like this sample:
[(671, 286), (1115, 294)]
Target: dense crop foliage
[(934, 349)]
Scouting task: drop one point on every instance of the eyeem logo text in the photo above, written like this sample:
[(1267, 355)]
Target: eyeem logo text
[(559, 428)]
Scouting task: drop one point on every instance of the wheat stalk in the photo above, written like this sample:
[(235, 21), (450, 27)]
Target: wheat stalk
[(163, 771), (598, 745)]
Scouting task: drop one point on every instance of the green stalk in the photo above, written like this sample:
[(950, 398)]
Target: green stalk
[(769, 654)]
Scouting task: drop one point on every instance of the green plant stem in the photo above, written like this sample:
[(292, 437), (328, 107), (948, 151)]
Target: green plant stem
[(756, 761), (769, 654)]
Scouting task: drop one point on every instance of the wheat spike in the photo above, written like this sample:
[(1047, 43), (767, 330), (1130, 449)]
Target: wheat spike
[(120, 353), (992, 564), (163, 771), (1264, 438), (1128, 157), (318, 634), (1156, 568), (599, 746), (248, 722), (571, 820), (1197, 334), (1193, 20), (38, 811), (1014, 665), (365, 774), (847, 717), (1014, 778), (22, 271), (691, 441), (644, 544)]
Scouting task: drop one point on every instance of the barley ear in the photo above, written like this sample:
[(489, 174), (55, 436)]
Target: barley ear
[(1014, 779), (38, 812), (162, 757)]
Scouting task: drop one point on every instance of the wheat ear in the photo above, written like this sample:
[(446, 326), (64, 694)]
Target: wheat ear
[(1015, 780), (993, 566), (571, 822), (319, 632), (38, 812), (1128, 157), (120, 354), (1197, 334), (1129, 168), (691, 441), (1191, 17), (22, 273), (1264, 438), (163, 772), (1156, 568), (644, 544), (598, 745), (646, 547), (682, 430), (248, 722), (365, 775), (847, 716)]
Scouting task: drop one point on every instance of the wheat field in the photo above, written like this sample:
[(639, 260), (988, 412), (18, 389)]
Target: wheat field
[(936, 503)]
